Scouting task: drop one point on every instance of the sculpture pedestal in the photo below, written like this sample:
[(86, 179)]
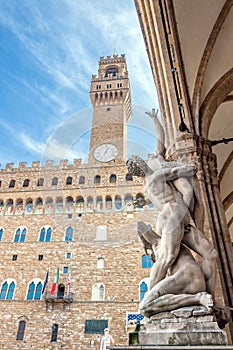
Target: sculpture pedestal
[(184, 326)]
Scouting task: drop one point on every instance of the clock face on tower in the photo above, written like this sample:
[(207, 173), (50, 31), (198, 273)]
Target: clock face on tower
[(105, 152)]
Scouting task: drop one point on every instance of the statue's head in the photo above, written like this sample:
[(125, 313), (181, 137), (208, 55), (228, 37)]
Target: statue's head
[(136, 166)]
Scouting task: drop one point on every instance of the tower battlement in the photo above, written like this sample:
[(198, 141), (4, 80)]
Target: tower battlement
[(37, 165)]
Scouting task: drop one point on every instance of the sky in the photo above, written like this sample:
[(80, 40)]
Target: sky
[(48, 53)]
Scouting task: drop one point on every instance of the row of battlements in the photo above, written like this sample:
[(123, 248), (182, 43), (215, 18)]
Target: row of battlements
[(49, 164), (120, 57)]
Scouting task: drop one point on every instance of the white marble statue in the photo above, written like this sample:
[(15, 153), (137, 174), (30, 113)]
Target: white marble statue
[(173, 189)]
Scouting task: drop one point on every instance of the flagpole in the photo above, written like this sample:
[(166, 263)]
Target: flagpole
[(68, 284)]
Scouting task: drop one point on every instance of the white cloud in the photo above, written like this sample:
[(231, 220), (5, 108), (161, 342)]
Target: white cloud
[(30, 144)]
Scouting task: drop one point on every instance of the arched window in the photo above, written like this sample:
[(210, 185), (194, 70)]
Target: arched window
[(31, 291), (20, 234), (118, 203), (26, 183), (69, 180), (21, 329), (49, 205), (54, 181), (98, 292), (90, 204), (112, 179), (79, 204), (19, 207), (54, 332), (29, 206), (7, 290), (11, 290), (45, 234), (143, 289), (12, 184), (4, 291), (128, 177), (69, 204), (59, 205), (40, 182), (108, 203), (61, 291), (112, 70), (146, 261), (34, 291), (99, 203), (81, 180), (69, 234), (39, 206), (139, 197), (128, 202), (97, 179), (1, 206), (9, 207), (1, 233), (38, 291)]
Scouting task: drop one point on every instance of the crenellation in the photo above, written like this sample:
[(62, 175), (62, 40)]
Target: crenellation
[(22, 165), (9, 166)]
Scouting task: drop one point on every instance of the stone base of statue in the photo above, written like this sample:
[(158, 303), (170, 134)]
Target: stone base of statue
[(184, 326)]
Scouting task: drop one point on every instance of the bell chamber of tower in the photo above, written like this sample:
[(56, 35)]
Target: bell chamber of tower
[(111, 101)]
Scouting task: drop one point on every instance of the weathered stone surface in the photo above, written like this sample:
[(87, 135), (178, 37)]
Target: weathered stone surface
[(182, 328)]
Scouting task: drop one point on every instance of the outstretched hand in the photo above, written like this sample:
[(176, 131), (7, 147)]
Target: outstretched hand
[(153, 114)]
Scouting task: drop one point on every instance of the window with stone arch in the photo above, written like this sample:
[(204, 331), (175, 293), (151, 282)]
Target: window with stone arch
[(90, 204), (97, 179), (79, 204), (81, 180), (54, 181), (143, 287), (98, 292), (34, 290), (99, 203), (69, 204), (59, 205), (1, 206), (29, 206), (7, 289), (12, 184), (129, 202), (26, 183), (69, 180), (1, 233), (9, 206), (20, 234), (69, 235), (45, 234), (54, 332), (128, 177), (40, 182), (21, 330), (118, 202), (108, 201), (112, 179), (139, 197)]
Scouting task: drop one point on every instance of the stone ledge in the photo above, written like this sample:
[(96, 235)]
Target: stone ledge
[(171, 347)]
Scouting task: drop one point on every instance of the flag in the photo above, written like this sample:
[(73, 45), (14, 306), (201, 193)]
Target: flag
[(55, 283), (45, 281), (68, 284)]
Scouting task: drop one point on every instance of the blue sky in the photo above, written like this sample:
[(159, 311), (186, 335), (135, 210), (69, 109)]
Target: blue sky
[(48, 53)]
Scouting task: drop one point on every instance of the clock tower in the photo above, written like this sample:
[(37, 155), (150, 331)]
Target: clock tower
[(111, 101)]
